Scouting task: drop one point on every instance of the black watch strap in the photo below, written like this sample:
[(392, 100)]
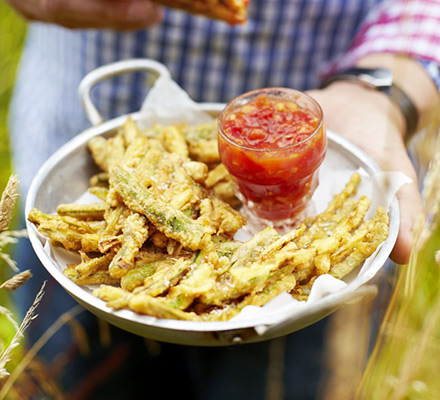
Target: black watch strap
[(381, 79), (407, 107)]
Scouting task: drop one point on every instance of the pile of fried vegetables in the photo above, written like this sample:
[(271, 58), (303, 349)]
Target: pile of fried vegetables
[(161, 240)]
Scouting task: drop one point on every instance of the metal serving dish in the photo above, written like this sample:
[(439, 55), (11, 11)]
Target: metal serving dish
[(64, 178)]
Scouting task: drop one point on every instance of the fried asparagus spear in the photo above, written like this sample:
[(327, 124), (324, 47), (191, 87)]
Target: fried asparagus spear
[(216, 175), (135, 151), (173, 223), (165, 277), (192, 198), (221, 183), (97, 278), (130, 131), (73, 234), (99, 180), (208, 264), (202, 142), (220, 216), (363, 243), (135, 233), (83, 211), (158, 307), (136, 277), (173, 141), (99, 148), (90, 266), (224, 288), (198, 171), (142, 303), (99, 191)]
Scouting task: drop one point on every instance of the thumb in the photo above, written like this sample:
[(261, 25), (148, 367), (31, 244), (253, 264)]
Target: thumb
[(411, 207)]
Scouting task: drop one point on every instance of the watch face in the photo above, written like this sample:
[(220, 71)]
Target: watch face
[(376, 78), (381, 78)]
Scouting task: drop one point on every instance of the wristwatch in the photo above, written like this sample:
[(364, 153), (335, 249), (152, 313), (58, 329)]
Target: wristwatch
[(381, 79)]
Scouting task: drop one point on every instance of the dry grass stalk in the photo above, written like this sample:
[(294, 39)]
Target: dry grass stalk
[(30, 355), (5, 356), (275, 389), (404, 366), (8, 314), (437, 257), (346, 347), (432, 183), (16, 281), (428, 338), (80, 336), (104, 333), (414, 357), (8, 238), (426, 224), (37, 371), (7, 202)]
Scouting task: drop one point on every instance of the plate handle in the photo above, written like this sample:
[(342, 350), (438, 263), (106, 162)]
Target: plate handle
[(108, 71)]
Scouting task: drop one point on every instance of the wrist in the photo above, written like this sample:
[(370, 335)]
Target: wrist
[(409, 75), (382, 80), (361, 100)]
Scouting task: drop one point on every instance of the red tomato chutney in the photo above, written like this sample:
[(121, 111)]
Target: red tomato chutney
[(272, 142)]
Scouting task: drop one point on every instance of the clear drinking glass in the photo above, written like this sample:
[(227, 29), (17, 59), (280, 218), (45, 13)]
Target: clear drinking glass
[(272, 141)]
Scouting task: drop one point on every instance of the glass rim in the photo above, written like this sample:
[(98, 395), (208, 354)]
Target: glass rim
[(267, 89)]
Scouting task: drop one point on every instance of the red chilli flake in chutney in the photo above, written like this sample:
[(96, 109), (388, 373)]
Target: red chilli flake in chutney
[(273, 148)]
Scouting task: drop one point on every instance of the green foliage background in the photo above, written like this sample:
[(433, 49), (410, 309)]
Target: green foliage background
[(12, 33)]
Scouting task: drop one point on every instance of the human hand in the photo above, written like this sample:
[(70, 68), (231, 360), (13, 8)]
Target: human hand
[(370, 120), (82, 14)]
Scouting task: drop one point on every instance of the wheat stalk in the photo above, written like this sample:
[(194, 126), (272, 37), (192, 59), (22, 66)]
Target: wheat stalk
[(16, 281), (5, 356), (29, 356), (7, 202), (8, 238)]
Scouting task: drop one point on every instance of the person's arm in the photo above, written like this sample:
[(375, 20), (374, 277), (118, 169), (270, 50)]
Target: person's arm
[(371, 120), (394, 36), (82, 14)]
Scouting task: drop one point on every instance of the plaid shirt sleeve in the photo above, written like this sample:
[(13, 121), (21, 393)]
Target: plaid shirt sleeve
[(410, 27)]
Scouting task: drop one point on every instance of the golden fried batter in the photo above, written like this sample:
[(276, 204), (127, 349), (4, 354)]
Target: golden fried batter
[(161, 242)]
